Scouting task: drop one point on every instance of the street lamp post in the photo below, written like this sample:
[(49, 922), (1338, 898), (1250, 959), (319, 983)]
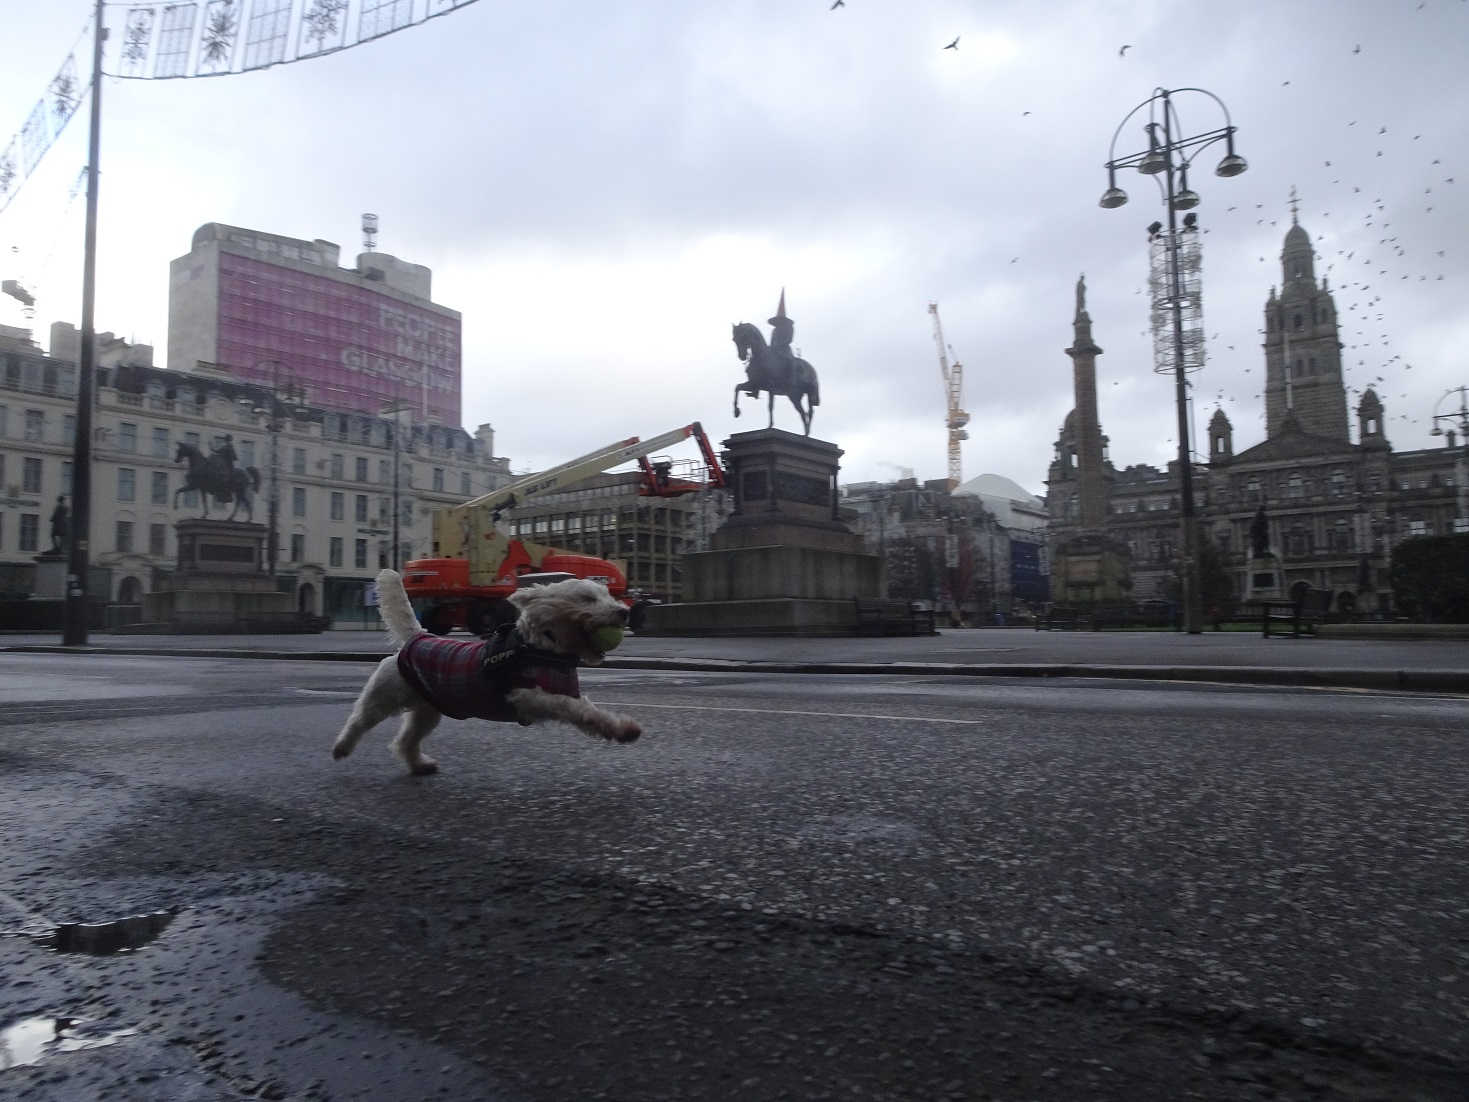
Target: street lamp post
[(394, 409), (1459, 419), (1169, 155), (293, 392)]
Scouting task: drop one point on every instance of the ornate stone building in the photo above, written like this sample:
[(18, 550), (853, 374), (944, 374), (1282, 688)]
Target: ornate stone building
[(1335, 507), (333, 471)]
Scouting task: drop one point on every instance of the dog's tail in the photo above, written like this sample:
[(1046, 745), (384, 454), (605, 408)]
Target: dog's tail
[(397, 611)]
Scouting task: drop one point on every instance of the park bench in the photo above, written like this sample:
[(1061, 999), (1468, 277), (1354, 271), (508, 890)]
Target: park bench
[(1304, 612), (884, 617)]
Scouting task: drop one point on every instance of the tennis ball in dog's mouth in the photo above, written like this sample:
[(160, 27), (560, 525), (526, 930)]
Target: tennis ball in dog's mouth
[(607, 638)]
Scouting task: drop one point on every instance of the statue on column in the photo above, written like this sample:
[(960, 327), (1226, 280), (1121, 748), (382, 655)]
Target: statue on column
[(60, 525), (1260, 534)]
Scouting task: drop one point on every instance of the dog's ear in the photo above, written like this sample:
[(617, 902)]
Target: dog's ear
[(522, 597)]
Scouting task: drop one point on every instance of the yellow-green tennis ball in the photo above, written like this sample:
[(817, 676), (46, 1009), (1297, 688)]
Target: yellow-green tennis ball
[(607, 638)]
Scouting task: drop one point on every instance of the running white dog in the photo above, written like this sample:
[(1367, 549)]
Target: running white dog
[(525, 673)]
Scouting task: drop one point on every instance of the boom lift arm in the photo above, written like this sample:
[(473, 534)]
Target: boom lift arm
[(461, 530)]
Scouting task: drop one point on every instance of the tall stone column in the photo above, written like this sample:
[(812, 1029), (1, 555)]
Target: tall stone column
[(1091, 498)]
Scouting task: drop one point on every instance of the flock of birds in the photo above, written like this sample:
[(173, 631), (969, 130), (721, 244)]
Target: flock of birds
[(1356, 273)]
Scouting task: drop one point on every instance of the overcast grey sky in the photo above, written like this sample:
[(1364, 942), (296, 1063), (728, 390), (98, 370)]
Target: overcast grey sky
[(602, 189)]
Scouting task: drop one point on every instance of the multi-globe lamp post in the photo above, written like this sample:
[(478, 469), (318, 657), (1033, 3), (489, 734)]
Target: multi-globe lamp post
[(1168, 158), (282, 399), (1458, 419)]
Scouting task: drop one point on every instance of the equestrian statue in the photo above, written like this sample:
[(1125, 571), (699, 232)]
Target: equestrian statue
[(218, 476), (774, 368)]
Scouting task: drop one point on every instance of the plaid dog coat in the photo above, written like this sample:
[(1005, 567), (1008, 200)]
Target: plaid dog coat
[(470, 680)]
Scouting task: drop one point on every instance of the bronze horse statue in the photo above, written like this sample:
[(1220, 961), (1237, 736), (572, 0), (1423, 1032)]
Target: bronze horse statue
[(218, 478), (775, 374)]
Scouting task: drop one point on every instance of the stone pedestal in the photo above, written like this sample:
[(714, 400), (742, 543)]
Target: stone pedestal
[(1090, 569), (782, 563), (221, 585), (50, 583), (1264, 581)]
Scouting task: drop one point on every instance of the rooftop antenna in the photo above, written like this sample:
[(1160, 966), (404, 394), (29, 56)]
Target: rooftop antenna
[(369, 232)]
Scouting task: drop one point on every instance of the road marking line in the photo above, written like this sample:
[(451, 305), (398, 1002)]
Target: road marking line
[(785, 712)]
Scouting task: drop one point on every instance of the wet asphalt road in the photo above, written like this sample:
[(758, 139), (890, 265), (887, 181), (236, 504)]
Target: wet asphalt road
[(791, 887)]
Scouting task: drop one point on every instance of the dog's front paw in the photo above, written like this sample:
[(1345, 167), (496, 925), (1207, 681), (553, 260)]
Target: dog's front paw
[(340, 750), (626, 731)]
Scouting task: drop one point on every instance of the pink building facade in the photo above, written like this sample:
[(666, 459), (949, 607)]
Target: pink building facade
[(267, 308)]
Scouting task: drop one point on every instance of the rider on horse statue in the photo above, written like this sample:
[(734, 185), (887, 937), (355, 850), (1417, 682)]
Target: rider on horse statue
[(222, 461), (782, 331)]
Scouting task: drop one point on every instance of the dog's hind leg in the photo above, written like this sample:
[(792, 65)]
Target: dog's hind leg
[(419, 722), (380, 698)]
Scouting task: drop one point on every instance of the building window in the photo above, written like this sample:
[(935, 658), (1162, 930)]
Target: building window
[(127, 437), (464, 484), (1341, 535), (4, 419), (30, 525), (1338, 483), (1297, 320), (382, 554), (359, 511), (157, 540), (361, 468), (68, 428), (1418, 528), (1298, 541), (359, 554), (35, 425), (298, 461), (126, 484), (439, 479), (65, 475), (192, 439), (1295, 486), (384, 472), (159, 493), (405, 513), (298, 501), (30, 476), (160, 443), (124, 535), (338, 506), (334, 551), (298, 546), (337, 464)]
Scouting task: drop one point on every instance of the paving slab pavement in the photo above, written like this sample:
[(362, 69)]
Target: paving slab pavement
[(1390, 662)]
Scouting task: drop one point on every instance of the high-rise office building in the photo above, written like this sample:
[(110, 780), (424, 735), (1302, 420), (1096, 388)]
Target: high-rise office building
[(268, 308)]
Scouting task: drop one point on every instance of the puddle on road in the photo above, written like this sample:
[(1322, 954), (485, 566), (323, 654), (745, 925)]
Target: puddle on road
[(104, 938), (31, 1040)]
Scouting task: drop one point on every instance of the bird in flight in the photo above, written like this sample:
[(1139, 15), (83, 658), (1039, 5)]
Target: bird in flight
[(1123, 52), (954, 45), (838, 4)]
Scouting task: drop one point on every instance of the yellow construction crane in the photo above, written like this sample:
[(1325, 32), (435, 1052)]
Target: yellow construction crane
[(955, 418)]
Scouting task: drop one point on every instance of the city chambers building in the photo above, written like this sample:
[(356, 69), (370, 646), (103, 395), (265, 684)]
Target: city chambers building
[(1335, 505)]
